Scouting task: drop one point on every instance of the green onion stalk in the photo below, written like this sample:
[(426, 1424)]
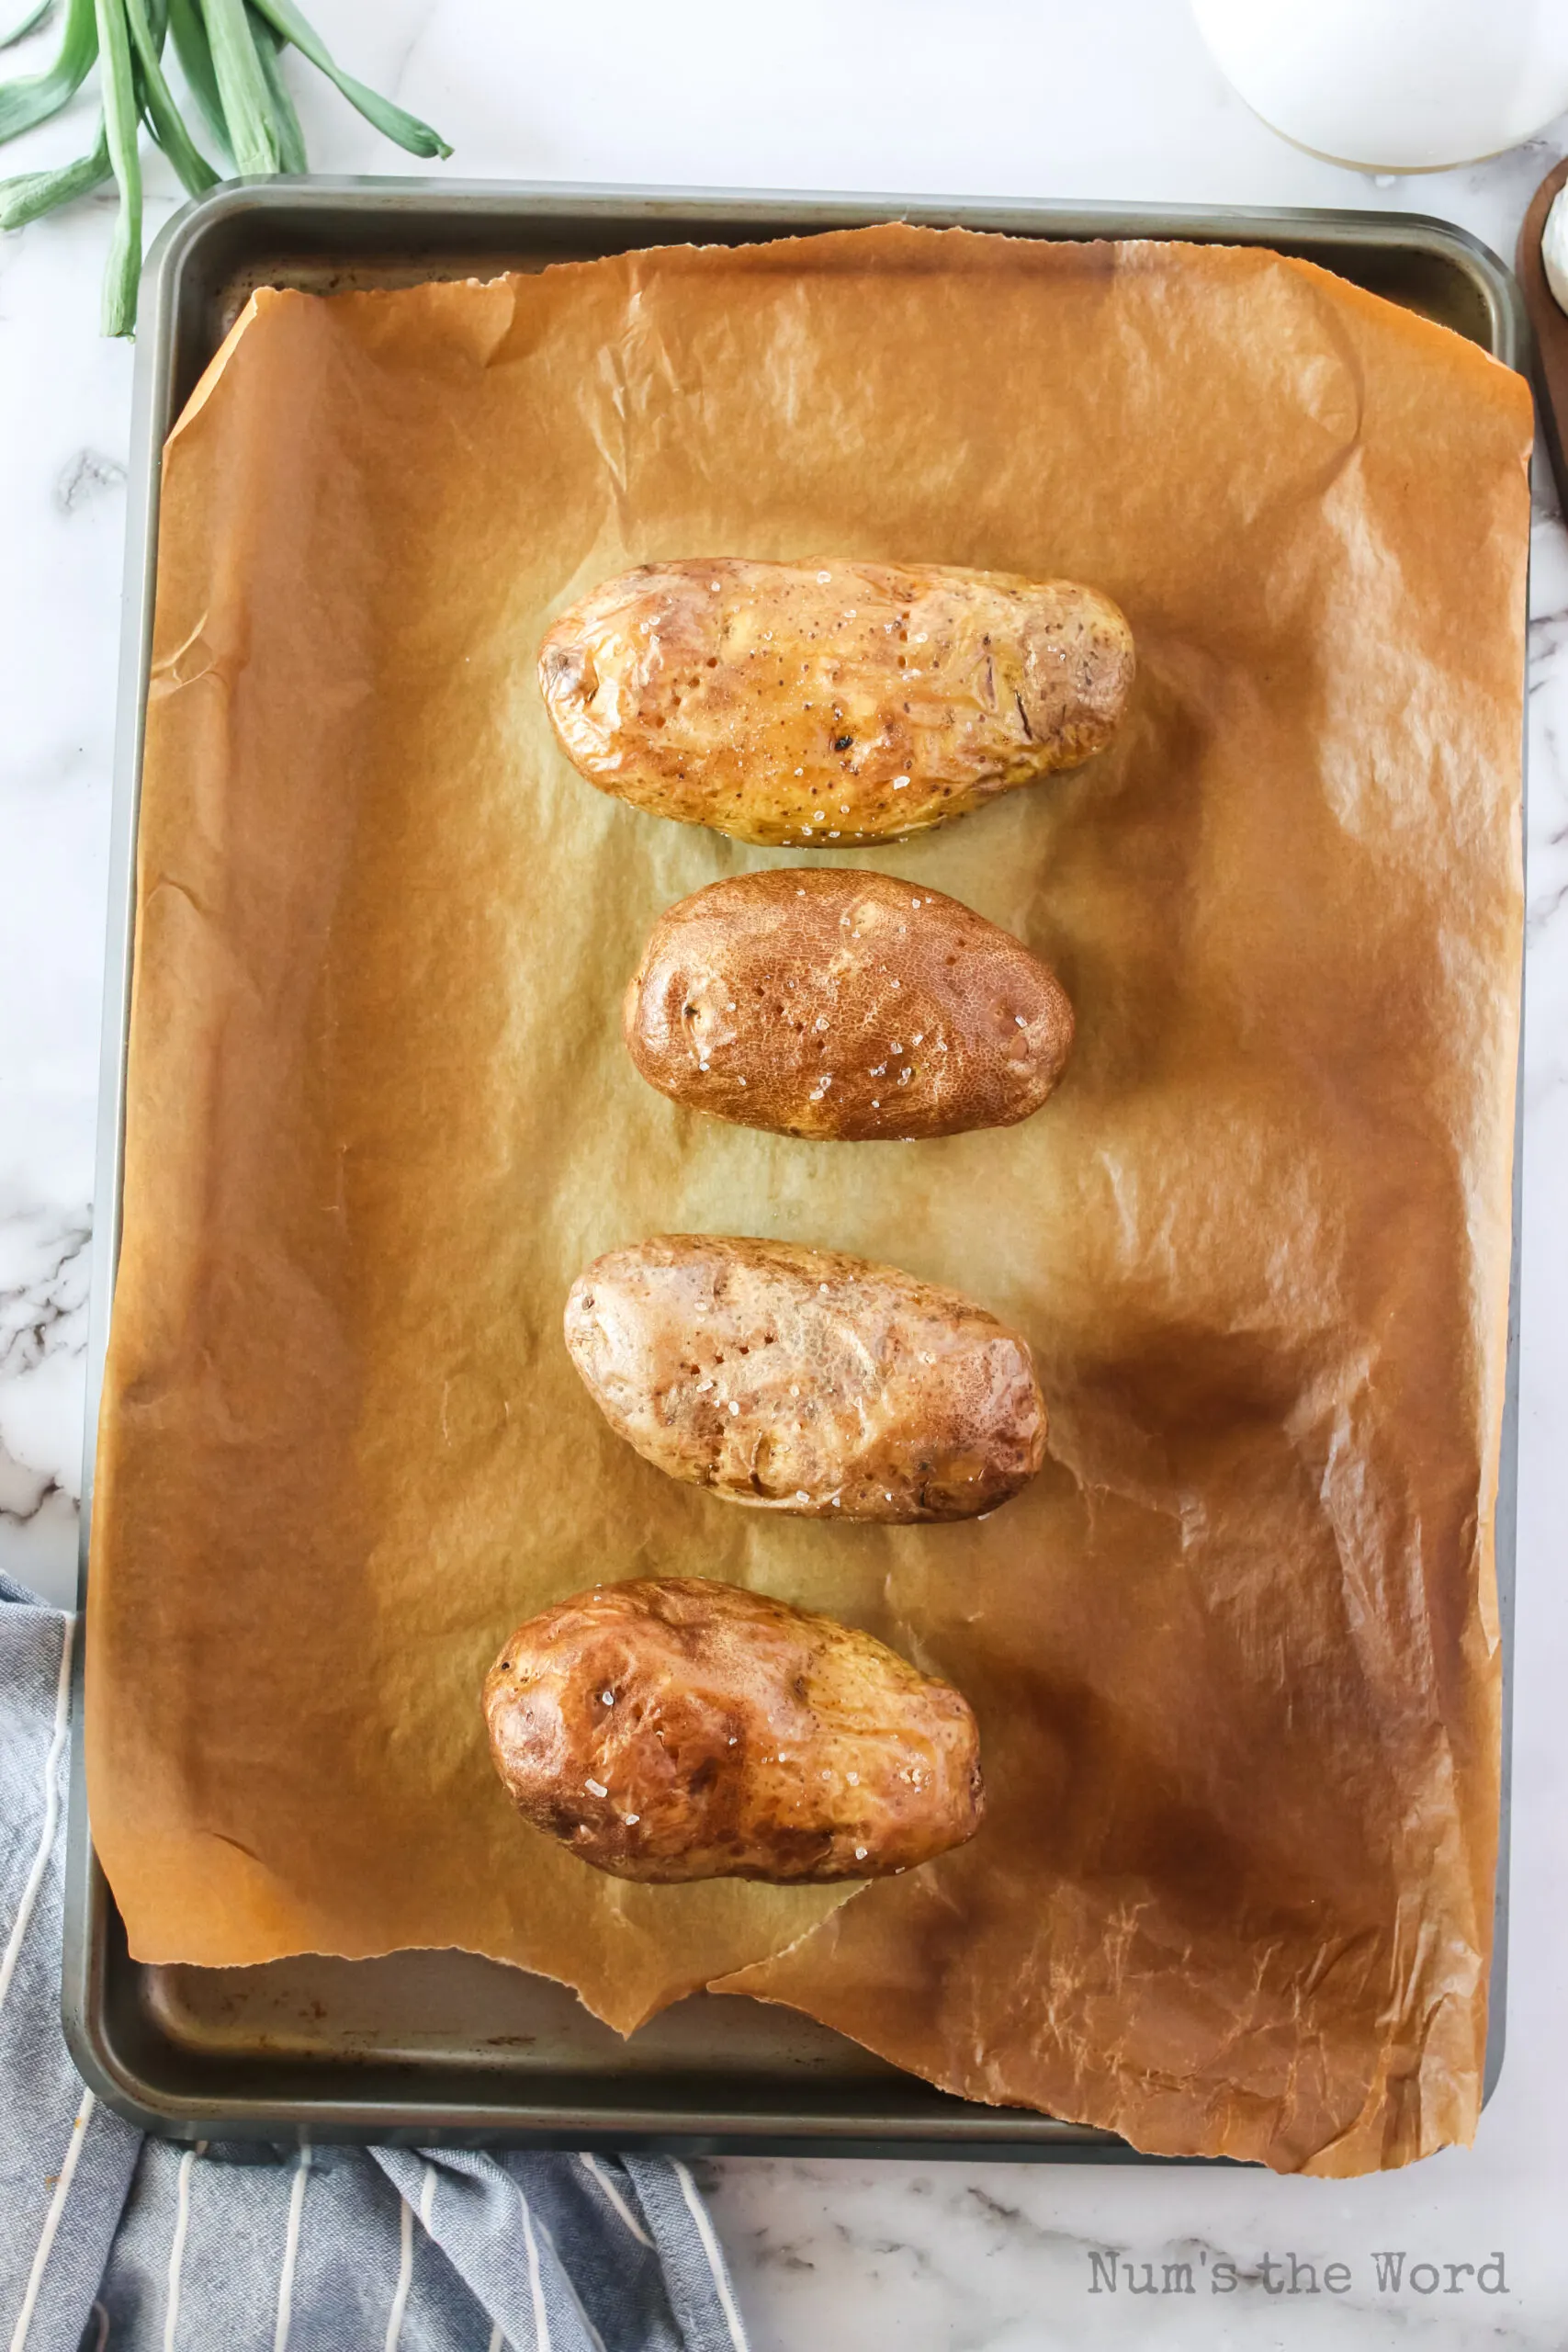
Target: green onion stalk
[(230, 53)]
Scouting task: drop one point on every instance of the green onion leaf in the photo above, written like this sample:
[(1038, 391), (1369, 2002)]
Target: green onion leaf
[(291, 153), (158, 105), (230, 52), (120, 113), (194, 53), (251, 139), (30, 24), (32, 194), (38, 96), (392, 122)]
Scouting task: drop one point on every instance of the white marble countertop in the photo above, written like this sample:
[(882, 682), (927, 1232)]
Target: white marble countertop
[(996, 97)]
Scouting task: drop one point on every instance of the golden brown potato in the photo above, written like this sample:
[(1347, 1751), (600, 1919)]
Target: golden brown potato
[(681, 1729), (807, 704), (825, 1003), (803, 1381)]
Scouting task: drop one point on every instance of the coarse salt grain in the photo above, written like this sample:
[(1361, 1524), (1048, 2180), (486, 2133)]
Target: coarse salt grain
[(900, 783), (801, 1496), (607, 1697), (1021, 1021), (734, 1407), (712, 587), (823, 578), (631, 1819), (596, 1788), (860, 1854)]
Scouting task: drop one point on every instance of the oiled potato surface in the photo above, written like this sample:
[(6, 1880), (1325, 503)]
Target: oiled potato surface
[(821, 703), (805, 1381), (823, 1003), (676, 1728)]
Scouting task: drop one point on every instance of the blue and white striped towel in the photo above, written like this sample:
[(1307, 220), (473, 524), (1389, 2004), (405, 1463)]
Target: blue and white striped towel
[(110, 2243)]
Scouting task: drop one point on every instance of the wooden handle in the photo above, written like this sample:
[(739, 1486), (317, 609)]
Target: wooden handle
[(1550, 327)]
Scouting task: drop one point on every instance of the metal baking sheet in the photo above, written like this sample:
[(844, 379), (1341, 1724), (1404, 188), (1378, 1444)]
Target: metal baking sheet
[(439, 2046)]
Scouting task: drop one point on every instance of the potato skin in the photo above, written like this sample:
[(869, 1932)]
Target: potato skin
[(824, 1002), (828, 703), (806, 1382), (675, 1728)]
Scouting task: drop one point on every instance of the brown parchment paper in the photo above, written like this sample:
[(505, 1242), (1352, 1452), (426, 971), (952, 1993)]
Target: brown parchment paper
[(1235, 1653)]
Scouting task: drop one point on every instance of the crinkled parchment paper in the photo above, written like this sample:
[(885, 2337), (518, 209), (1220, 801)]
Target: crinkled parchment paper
[(1235, 1653)]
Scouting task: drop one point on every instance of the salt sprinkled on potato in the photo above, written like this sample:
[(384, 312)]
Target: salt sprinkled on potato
[(809, 705), (804, 1381), (824, 1002), (677, 1728)]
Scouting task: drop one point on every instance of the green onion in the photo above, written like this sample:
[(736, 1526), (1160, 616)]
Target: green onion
[(242, 85), (286, 122), (120, 113), (230, 52), (39, 95), (32, 194), (194, 53), (406, 129), (158, 105), (30, 24)]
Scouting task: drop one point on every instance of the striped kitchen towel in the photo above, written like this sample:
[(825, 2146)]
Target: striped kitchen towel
[(111, 2243)]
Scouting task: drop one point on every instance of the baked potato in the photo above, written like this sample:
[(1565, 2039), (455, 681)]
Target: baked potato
[(825, 1003), (806, 1382), (825, 702), (681, 1729)]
